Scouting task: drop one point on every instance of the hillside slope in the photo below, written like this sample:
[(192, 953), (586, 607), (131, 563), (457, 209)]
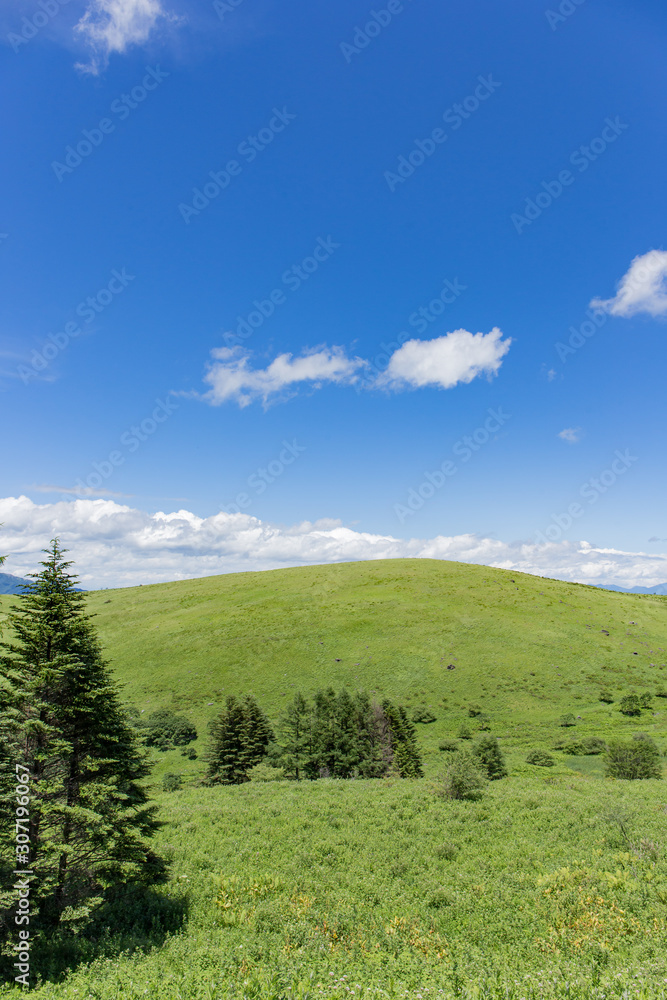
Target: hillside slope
[(524, 648)]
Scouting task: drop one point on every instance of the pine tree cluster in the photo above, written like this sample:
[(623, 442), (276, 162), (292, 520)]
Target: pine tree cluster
[(333, 735)]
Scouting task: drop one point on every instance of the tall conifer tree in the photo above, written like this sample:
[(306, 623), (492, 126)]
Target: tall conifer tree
[(90, 820)]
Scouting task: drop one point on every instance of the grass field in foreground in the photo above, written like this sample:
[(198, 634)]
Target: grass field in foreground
[(384, 889)]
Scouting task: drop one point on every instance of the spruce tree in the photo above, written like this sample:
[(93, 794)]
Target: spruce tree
[(490, 756), (296, 745), (224, 756), (256, 735), (90, 821)]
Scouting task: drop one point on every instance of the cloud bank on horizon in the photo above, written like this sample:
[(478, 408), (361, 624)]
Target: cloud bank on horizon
[(115, 545), (455, 358)]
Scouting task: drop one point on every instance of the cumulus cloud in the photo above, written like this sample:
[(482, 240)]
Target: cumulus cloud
[(642, 289), (117, 545), (444, 362), (231, 377), (114, 25), (570, 434), (459, 356)]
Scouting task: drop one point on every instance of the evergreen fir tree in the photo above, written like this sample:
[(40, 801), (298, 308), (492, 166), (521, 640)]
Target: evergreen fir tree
[(296, 745), (490, 756), (256, 735), (224, 756), (63, 722)]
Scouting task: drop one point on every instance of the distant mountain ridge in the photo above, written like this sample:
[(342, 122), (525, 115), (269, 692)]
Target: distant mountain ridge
[(660, 589), (11, 584)]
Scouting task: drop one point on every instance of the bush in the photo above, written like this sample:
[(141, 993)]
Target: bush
[(490, 756), (464, 779), (474, 710), (423, 715), (483, 724), (661, 693), (634, 759), (165, 730), (646, 700), (540, 758), (567, 720), (465, 732), (446, 851), (581, 748), (171, 782), (448, 746), (607, 697), (189, 752), (630, 705), (265, 772)]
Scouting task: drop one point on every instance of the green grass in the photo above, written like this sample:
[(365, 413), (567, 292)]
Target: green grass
[(385, 889), (324, 880)]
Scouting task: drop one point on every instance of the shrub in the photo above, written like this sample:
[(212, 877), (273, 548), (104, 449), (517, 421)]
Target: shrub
[(465, 732), (464, 778), (423, 715), (446, 851), (474, 710), (646, 700), (540, 758), (634, 759), (265, 772), (189, 752), (164, 729), (588, 746), (630, 705), (661, 693), (448, 745), (171, 782), (483, 724), (490, 756), (567, 720), (607, 697)]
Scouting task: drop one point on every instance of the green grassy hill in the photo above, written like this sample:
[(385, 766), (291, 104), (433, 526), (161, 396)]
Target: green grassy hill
[(524, 648), (554, 885)]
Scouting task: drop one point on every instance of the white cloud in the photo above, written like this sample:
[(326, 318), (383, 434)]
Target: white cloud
[(570, 434), (114, 25), (78, 491), (445, 361), (642, 289), (231, 377), (117, 545)]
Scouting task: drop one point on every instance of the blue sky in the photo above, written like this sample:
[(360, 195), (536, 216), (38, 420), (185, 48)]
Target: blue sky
[(509, 107)]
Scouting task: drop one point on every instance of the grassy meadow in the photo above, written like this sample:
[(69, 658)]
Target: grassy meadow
[(553, 885)]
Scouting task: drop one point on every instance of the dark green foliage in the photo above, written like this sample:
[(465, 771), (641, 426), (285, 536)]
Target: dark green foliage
[(490, 756), (630, 705), (165, 730), (567, 720), (465, 732), (661, 693), (171, 782), (483, 724), (62, 721), (607, 697), (634, 759), (345, 736), (448, 746), (541, 758), (474, 710), (586, 746), (423, 715), (646, 700), (240, 737), (464, 778)]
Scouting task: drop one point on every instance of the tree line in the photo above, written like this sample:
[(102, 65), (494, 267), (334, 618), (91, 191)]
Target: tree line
[(333, 734)]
